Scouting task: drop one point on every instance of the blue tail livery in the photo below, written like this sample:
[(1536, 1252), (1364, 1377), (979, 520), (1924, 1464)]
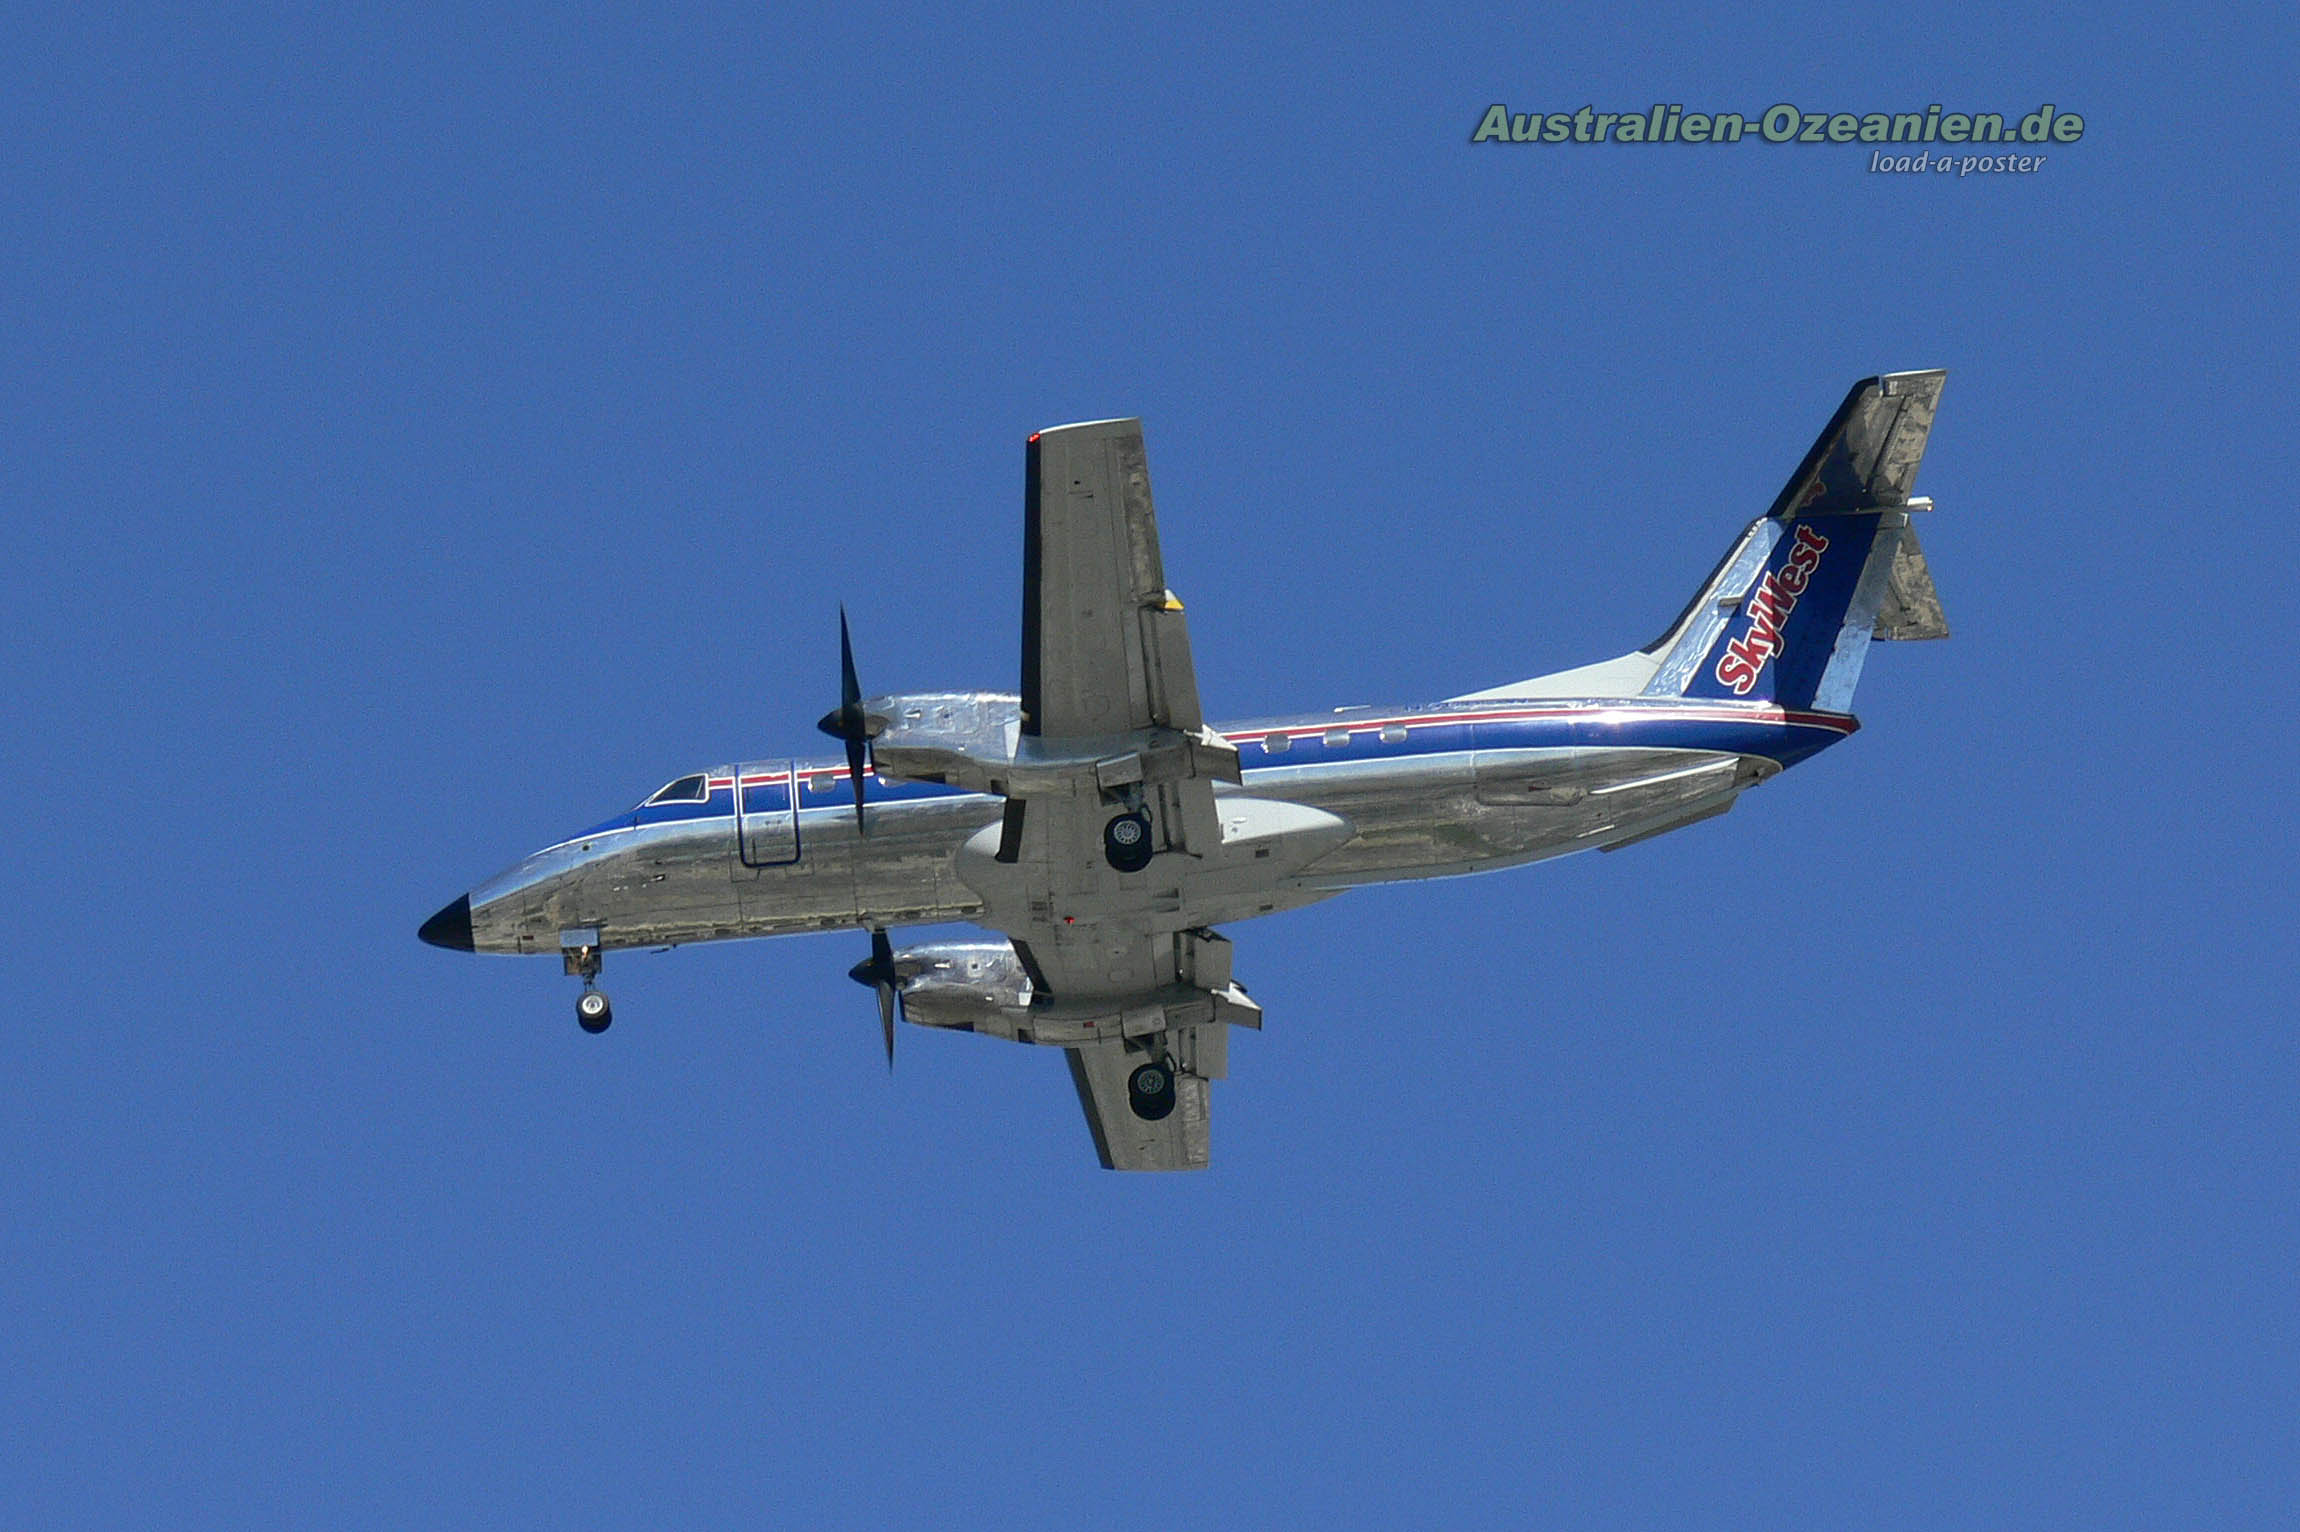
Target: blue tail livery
[(1788, 617)]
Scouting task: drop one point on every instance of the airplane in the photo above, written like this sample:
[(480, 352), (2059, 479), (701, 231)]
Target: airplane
[(1100, 829)]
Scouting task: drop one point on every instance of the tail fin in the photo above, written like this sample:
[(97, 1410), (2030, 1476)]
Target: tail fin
[(1788, 616)]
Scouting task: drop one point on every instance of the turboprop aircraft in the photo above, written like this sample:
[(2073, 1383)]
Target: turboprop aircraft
[(1101, 829)]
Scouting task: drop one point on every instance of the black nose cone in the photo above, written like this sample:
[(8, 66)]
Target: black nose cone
[(451, 927)]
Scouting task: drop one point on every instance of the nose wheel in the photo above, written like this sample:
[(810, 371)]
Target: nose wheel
[(579, 955)]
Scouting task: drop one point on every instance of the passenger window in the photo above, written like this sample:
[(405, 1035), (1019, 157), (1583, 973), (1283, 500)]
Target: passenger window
[(1337, 739), (821, 783), (695, 789), (1276, 744), (1393, 734)]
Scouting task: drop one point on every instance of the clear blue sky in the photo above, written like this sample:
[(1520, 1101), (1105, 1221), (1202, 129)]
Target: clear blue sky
[(430, 429)]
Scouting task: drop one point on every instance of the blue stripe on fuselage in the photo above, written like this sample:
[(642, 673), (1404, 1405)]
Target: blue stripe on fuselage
[(1667, 723)]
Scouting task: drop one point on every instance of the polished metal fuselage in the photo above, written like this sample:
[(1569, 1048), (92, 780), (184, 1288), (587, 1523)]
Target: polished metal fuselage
[(1433, 792)]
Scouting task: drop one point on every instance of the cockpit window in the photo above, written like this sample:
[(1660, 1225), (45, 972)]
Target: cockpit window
[(694, 789)]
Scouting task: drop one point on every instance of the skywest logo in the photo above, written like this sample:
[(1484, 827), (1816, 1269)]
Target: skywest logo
[(1769, 607)]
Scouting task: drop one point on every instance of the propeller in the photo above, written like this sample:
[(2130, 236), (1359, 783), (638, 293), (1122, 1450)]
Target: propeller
[(849, 722), (878, 972)]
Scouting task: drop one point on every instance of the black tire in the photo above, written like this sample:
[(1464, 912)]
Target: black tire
[(1126, 842), (592, 1012), (1150, 1092)]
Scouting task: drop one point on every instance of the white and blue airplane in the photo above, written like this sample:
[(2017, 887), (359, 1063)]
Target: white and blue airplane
[(1102, 829)]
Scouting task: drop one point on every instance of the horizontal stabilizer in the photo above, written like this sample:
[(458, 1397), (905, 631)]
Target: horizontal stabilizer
[(1911, 608), (1707, 808), (1867, 458)]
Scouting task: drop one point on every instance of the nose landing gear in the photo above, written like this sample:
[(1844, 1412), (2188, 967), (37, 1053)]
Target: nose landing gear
[(579, 955)]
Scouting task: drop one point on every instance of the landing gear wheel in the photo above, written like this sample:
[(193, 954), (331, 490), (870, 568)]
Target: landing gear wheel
[(1150, 1091), (1126, 842), (593, 1013)]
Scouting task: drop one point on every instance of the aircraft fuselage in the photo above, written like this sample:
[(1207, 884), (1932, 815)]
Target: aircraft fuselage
[(1428, 792)]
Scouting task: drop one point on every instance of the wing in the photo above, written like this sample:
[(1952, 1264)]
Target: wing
[(1111, 858), (1105, 649), (1123, 1002), (1176, 1141), (1109, 693)]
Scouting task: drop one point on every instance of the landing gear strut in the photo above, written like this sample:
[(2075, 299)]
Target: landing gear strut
[(581, 958), (1150, 1090)]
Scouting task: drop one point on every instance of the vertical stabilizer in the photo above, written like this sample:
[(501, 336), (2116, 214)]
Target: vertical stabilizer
[(1789, 616)]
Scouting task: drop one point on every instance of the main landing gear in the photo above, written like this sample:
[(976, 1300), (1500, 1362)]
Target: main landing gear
[(1150, 1090), (1126, 841), (593, 1012)]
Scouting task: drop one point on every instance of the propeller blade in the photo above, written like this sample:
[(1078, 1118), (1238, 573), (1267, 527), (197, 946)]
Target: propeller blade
[(850, 686), (878, 971), (848, 721)]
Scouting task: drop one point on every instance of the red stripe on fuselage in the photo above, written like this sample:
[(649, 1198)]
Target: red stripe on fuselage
[(1842, 723)]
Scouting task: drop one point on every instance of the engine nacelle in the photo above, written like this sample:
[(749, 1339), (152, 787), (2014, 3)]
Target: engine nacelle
[(983, 987), (973, 986), (964, 739), (974, 741)]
